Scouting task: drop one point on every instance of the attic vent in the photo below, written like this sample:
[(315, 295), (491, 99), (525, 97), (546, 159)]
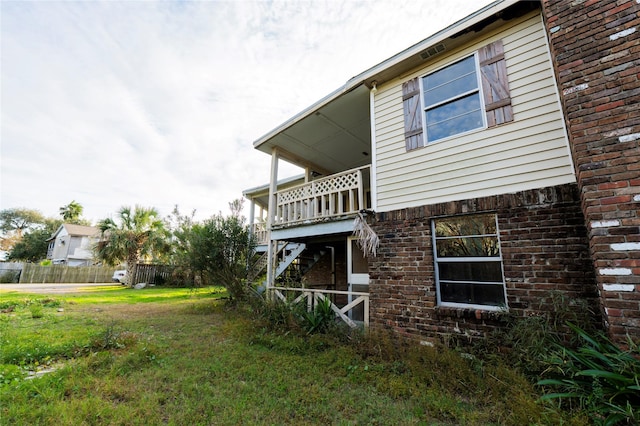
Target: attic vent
[(432, 51)]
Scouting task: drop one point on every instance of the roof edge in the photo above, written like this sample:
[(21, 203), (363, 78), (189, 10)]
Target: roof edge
[(369, 74)]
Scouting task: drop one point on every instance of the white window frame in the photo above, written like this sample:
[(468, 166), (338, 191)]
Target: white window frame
[(478, 90), (437, 260)]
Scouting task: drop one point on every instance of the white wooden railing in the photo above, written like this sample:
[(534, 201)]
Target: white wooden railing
[(332, 196), (259, 231), (314, 296)]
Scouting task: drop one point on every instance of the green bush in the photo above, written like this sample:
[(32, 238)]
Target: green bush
[(598, 377)]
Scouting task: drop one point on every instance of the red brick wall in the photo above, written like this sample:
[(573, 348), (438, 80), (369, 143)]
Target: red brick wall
[(544, 247), (595, 48)]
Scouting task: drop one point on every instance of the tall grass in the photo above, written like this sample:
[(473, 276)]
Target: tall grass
[(190, 359)]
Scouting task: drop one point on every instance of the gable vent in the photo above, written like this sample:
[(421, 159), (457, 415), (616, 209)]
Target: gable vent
[(432, 51)]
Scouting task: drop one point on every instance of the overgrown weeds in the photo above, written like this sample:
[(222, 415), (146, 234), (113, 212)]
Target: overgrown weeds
[(597, 377), (526, 343), (197, 361)]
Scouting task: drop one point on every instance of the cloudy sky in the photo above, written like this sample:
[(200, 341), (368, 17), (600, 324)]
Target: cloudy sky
[(157, 103)]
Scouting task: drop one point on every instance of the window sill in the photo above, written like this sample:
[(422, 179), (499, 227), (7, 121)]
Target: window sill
[(469, 313)]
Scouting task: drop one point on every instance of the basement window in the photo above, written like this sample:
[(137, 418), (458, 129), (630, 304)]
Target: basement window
[(468, 262)]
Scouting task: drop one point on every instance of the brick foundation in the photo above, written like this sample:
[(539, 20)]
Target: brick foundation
[(595, 49), (544, 247)]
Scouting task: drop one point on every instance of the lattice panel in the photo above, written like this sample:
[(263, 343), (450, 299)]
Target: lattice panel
[(336, 184), (322, 198), (295, 194)]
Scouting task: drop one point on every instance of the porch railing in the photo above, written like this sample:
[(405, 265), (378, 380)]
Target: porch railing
[(332, 196), (259, 231), (314, 296)]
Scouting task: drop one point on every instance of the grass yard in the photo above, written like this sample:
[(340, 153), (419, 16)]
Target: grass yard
[(181, 357)]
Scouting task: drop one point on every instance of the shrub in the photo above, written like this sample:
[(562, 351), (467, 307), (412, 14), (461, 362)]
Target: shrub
[(598, 377), (274, 313)]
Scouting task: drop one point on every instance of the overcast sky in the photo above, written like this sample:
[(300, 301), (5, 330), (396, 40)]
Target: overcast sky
[(158, 103)]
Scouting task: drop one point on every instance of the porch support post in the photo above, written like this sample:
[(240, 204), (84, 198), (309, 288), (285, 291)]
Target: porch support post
[(361, 204), (273, 188), (252, 219), (374, 155)]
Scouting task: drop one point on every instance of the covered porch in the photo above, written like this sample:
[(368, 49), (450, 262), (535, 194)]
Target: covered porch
[(304, 224)]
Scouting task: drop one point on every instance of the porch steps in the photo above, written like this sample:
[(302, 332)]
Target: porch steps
[(291, 253), (287, 253), (307, 262), (260, 265)]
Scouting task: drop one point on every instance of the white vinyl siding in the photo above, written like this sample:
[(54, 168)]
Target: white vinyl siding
[(527, 153)]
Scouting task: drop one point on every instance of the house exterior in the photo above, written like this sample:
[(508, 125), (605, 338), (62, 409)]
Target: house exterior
[(497, 163), (72, 244)]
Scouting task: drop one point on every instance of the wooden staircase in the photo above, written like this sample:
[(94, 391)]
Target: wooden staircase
[(289, 253)]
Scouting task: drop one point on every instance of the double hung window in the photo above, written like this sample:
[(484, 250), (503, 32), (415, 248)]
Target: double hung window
[(468, 261), (451, 99), (469, 94)]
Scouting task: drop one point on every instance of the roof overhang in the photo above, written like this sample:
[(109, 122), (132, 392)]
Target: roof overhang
[(334, 133), (330, 136)]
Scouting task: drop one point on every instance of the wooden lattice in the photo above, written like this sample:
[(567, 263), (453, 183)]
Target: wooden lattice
[(338, 194)]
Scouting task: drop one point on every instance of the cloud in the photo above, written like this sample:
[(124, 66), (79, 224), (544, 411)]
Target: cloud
[(158, 103)]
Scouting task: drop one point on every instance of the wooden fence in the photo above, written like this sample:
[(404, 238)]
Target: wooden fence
[(33, 273), (153, 274)]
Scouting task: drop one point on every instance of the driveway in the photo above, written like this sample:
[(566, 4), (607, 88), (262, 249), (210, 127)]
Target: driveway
[(49, 288)]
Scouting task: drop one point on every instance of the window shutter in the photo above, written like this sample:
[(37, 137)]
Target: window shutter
[(495, 85), (412, 114)]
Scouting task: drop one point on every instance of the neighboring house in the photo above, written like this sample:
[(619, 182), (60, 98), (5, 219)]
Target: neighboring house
[(497, 162), (72, 244)]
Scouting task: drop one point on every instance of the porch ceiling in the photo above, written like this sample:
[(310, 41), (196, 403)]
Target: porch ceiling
[(329, 137)]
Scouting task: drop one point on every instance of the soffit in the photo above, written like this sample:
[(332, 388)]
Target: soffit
[(331, 137)]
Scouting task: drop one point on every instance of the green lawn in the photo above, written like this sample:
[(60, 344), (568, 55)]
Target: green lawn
[(181, 357)]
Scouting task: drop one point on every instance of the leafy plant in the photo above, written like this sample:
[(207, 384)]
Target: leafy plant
[(10, 373), (599, 376), (319, 319)]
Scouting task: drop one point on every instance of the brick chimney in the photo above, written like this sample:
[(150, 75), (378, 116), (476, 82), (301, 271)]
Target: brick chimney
[(595, 49)]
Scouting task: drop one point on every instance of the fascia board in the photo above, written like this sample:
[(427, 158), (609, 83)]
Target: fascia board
[(370, 74)]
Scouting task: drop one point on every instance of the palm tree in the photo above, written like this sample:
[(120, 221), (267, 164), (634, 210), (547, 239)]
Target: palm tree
[(136, 233), (71, 212)]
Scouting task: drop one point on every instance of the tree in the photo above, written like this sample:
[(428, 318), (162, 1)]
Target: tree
[(71, 212), (33, 245), (136, 233), (215, 250), (236, 207), (18, 220), (219, 249)]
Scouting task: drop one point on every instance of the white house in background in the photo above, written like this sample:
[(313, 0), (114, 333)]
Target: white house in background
[(72, 244)]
